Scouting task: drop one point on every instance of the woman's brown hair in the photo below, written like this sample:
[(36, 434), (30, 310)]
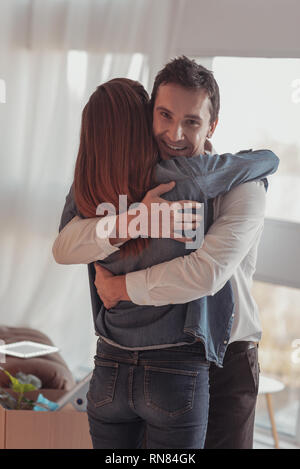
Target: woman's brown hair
[(117, 152)]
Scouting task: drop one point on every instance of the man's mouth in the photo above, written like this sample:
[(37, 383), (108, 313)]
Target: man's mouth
[(174, 147)]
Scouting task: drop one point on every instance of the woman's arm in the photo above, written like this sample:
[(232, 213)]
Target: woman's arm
[(217, 174)]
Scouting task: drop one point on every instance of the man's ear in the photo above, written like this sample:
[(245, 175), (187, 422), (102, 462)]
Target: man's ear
[(212, 128)]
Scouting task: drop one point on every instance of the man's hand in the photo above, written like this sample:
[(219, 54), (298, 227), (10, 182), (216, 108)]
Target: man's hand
[(176, 221), (172, 219), (110, 288)]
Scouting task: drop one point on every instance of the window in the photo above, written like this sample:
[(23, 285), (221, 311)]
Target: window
[(98, 68), (76, 72), (279, 352), (260, 108)]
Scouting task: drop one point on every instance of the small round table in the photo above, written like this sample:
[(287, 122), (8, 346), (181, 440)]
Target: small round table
[(268, 386)]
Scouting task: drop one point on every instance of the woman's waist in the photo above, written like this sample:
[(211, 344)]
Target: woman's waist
[(182, 352), (158, 251), (136, 327)]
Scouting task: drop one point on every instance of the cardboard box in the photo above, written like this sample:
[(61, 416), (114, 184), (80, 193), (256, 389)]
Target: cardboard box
[(28, 429)]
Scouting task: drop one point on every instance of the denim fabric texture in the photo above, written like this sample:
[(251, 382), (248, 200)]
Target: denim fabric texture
[(149, 399)]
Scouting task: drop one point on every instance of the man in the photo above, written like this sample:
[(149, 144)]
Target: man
[(185, 102)]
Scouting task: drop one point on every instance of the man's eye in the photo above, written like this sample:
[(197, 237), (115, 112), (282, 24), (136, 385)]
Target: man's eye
[(192, 122), (165, 115)]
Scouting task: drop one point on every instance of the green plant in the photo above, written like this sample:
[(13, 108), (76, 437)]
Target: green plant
[(19, 387)]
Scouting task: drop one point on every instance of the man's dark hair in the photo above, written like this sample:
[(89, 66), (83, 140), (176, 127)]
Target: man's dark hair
[(188, 74)]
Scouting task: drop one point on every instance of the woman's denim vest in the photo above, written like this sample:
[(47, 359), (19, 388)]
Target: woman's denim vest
[(208, 319)]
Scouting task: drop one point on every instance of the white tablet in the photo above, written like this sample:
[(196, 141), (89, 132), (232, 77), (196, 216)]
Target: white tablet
[(27, 349)]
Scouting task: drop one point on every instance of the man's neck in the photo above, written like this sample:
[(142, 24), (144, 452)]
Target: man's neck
[(208, 148)]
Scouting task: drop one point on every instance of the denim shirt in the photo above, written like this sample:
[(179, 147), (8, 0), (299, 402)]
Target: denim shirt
[(208, 319)]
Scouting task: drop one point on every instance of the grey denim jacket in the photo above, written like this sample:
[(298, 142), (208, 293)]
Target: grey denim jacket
[(208, 319)]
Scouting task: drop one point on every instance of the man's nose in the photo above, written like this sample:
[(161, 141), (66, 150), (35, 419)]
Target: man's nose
[(175, 133)]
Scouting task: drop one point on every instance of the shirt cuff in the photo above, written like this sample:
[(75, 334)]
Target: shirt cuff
[(136, 286)]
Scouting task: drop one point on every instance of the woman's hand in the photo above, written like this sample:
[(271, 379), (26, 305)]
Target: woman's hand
[(110, 288)]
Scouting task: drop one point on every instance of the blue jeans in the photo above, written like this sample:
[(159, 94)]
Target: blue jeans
[(149, 399)]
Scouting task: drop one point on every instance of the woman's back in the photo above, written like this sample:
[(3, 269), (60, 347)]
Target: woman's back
[(138, 327)]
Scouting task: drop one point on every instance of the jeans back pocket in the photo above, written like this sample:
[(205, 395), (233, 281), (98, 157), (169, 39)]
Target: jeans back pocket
[(103, 383), (170, 391)]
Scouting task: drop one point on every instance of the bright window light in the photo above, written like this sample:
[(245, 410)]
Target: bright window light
[(135, 67), (76, 72), (2, 91), (106, 69), (139, 69), (260, 108)]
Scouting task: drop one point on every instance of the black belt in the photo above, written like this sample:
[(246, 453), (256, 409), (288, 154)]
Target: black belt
[(240, 346)]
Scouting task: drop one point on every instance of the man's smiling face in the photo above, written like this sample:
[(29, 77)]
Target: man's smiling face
[(181, 120)]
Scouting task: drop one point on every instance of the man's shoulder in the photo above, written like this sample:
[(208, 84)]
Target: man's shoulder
[(244, 189), (247, 194)]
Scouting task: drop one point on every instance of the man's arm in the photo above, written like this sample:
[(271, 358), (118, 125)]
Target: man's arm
[(78, 237), (83, 237), (83, 241), (205, 271), (79, 242)]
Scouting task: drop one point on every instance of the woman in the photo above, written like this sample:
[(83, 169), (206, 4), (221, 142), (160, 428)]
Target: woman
[(152, 363)]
